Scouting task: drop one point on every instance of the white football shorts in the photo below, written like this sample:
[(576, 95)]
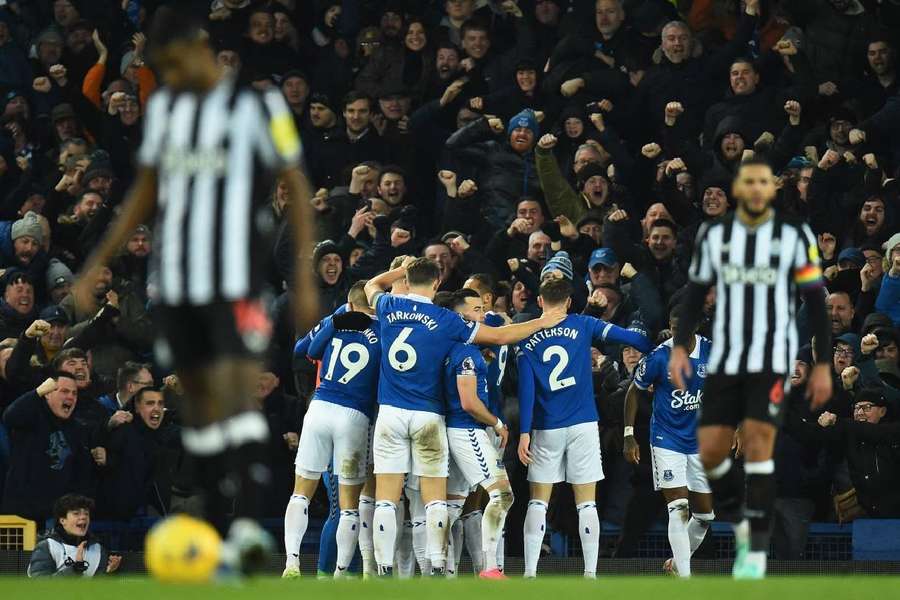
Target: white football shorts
[(410, 441), (473, 461), (335, 434), (570, 454), (673, 469)]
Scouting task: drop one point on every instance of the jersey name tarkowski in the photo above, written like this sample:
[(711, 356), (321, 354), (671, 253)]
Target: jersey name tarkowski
[(416, 337)]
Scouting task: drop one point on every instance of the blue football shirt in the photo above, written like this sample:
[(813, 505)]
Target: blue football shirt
[(673, 425), (556, 386), (464, 360), (350, 364), (416, 337), (496, 368)]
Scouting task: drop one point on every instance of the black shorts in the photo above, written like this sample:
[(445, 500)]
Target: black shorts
[(190, 337), (729, 399)]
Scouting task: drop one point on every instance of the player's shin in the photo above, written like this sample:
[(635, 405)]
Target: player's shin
[(535, 526), (472, 536), (296, 520), (347, 537), (384, 535), (436, 532), (758, 505), (406, 559), (697, 528), (726, 488), (455, 539), (230, 458), (492, 522), (679, 540), (725, 482), (366, 544), (589, 531)]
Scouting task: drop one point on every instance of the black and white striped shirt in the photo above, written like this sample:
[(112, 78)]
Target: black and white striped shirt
[(758, 273), (214, 154)]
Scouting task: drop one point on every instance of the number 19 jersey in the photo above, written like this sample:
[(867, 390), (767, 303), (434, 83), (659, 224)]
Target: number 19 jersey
[(349, 371), (416, 337)]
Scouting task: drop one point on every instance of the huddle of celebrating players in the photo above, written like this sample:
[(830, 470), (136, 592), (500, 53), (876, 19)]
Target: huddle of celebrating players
[(437, 434)]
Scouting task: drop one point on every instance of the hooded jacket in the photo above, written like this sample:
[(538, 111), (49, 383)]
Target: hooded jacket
[(504, 176), (141, 464), (49, 458)]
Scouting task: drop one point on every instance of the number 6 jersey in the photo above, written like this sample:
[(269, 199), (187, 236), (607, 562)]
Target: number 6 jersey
[(416, 337), (556, 388)]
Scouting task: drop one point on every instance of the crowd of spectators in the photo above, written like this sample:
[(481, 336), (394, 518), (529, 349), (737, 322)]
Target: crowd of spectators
[(502, 139)]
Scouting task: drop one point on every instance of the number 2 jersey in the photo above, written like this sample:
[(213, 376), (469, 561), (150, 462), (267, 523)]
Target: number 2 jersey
[(350, 363), (416, 337), (556, 387), (673, 425)]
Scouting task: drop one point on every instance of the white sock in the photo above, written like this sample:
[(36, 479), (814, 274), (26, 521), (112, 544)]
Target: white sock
[(400, 516), (366, 545), (501, 550), (406, 559), (384, 534), (742, 533), (492, 523), (679, 540), (418, 542), (346, 537), (472, 535), (417, 513), (589, 531), (697, 528), (535, 526), (296, 520), (455, 539), (437, 529)]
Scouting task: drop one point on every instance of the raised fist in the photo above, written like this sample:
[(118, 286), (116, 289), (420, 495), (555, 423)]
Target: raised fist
[(673, 110), (868, 344), (849, 377), (829, 159), (785, 47), (467, 188), (571, 87), (547, 141), (38, 329), (857, 136), (617, 215), (651, 150)]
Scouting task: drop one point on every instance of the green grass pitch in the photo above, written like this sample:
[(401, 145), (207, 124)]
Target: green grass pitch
[(547, 588)]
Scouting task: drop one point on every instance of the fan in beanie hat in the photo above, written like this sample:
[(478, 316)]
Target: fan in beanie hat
[(28, 226), (559, 262)]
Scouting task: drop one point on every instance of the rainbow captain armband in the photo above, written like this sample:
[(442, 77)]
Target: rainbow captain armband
[(809, 277), (284, 136)]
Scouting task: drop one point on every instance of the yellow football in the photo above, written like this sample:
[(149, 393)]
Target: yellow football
[(182, 549)]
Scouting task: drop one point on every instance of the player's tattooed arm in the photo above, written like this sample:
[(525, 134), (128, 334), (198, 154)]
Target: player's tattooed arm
[(631, 450), (472, 404)]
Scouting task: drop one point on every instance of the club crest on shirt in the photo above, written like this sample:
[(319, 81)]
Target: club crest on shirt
[(701, 370), (667, 475)]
